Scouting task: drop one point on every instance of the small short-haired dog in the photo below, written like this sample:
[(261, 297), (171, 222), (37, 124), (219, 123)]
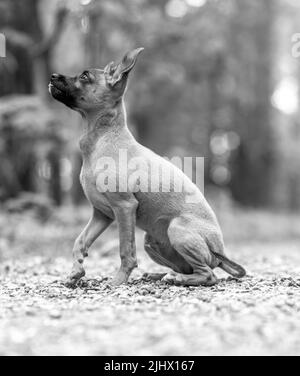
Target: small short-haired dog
[(181, 234)]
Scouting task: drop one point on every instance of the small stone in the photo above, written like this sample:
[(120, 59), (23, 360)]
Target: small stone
[(55, 314), (30, 312)]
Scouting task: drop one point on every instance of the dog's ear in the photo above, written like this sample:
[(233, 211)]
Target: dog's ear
[(117, 73)]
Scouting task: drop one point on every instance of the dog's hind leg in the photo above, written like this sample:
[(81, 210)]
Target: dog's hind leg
[(187, 241), (154, 276), (199, 278), (97, 224), (166, 256)]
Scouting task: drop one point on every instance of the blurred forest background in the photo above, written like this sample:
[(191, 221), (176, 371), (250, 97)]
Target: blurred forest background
[(217, 79)]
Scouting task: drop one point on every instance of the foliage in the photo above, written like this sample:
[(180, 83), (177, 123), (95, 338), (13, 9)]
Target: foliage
[(29, 132), (203, 87)]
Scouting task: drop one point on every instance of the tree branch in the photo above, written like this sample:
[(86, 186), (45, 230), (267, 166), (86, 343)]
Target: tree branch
[(47, 44)]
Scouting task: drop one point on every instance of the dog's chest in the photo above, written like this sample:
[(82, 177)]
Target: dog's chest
[(98, 200)]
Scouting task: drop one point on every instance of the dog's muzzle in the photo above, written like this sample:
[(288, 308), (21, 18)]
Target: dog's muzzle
[(59, 88), (57, 84)]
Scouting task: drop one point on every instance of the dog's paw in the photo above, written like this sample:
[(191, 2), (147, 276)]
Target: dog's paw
[(74, 278), (70, 283), (118, 281), (153, 276), (170, 278), (120, 278)]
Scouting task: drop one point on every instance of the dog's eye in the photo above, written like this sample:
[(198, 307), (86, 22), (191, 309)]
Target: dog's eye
[(84, 76)]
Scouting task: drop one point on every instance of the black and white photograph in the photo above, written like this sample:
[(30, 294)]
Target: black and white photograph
[(150, 181)]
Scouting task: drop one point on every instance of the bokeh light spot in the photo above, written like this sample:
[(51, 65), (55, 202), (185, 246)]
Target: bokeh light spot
[(196, 3), (176, 8), (286, 96)]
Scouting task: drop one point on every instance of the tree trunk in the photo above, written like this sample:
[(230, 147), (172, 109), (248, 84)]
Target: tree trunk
[(253, 163)]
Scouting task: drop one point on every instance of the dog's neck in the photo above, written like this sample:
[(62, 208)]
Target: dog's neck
[(100, 123)]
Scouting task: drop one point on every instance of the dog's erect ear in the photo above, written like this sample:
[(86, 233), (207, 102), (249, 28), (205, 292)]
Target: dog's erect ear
[(115, 73)]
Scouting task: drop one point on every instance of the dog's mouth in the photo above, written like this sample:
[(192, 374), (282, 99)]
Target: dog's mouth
[(61, 93), (56, 89)]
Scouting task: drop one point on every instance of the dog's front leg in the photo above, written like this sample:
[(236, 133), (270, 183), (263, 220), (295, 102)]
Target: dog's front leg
[(124, 206), (97, 224)]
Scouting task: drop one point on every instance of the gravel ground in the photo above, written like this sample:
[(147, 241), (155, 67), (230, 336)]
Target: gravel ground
[(258, 315)]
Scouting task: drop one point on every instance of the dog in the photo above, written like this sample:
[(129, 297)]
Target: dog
[(181, 234)]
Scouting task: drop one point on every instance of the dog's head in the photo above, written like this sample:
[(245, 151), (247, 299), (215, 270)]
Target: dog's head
[(94, 88)]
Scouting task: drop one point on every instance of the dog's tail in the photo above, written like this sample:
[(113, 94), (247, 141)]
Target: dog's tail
[(229, 266)]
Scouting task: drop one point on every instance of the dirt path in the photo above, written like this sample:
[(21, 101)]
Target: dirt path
[(257, 315)]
